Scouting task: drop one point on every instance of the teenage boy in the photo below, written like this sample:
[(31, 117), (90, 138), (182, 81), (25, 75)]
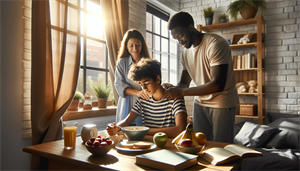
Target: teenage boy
[(158, 113), (207, 61)]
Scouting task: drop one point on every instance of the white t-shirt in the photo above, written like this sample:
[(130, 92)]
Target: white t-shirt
[(212, 51)]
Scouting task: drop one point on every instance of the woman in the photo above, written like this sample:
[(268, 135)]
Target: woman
[(133, 48)]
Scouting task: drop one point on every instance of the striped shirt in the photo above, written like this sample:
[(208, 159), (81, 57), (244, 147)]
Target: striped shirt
[(158, 114)]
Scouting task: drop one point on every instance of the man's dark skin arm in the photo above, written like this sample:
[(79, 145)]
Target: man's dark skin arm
[(217, 84)]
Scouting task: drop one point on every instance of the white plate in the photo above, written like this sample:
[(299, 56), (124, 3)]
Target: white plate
[(153, 146)]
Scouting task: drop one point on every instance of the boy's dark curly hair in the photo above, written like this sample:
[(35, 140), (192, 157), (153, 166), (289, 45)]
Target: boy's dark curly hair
[(145, 68), (182, 19)]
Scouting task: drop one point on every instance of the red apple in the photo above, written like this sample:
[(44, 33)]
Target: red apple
[(186, 143), (93, 139), (99, 136), (103, 143), (103, 139), (89, 142), (96, 143), (99, 139), (109, 141)]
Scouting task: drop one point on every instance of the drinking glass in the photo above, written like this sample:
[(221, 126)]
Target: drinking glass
[(70, 130)]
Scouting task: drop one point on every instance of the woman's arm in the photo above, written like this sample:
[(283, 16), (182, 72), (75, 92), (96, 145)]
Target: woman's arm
[(180, 121)]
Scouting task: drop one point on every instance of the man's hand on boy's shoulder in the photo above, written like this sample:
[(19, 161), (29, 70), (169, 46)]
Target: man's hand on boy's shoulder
[(167, 85), (174, 93)]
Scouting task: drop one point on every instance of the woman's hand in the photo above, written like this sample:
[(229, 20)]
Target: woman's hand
[(143, 95), (112, 129)]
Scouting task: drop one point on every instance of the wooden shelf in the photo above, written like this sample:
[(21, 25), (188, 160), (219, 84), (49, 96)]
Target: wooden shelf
[(250, 94), (245, 116), (243, 46), (227, 25)]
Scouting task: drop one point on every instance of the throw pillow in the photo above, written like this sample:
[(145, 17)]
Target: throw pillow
[(254, 135), (271, 117), (289, 135)]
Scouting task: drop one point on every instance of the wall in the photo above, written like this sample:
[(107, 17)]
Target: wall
[(12, 156), (282, 49)]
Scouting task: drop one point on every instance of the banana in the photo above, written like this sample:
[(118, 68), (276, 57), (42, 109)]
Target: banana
[(178, 138), (195, 142)]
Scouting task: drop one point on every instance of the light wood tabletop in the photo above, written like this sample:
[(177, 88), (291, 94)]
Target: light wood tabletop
[(81, 159)]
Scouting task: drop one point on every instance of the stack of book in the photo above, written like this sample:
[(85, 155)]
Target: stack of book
[(245, 61)]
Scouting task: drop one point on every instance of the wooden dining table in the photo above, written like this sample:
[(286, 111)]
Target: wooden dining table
[(81, 159)]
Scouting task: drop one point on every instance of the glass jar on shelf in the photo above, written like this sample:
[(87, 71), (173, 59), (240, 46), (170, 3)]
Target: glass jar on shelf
[(87, 104)]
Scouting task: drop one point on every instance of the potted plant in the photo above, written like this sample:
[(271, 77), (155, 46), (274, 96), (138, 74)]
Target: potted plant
[(74, 104), (223, 18), (208, 15), (102, 92), (247, 8)]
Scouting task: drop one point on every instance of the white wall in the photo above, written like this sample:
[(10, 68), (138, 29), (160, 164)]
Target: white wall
[(12, 156), (282, 52)]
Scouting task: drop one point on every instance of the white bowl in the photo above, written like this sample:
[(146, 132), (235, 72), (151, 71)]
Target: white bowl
[(191, 150), (135, 133)]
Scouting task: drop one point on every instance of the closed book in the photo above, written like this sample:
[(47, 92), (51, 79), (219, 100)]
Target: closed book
[(230, 153), (234, 62), (249, 60), (167, 160), (238, 66)]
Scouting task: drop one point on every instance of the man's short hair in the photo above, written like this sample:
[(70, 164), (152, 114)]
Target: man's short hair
[(145, 68), (182, 19)]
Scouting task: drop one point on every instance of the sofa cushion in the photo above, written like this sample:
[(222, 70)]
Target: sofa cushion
[(271, 117), (254, 135)]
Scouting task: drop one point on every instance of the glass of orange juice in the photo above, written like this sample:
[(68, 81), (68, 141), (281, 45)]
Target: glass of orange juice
[(70, 130)]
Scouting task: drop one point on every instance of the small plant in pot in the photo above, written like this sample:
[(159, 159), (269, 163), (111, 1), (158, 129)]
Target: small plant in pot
[(223, 18), (208, 15), (247, 8), (74, 104), (102, 92)]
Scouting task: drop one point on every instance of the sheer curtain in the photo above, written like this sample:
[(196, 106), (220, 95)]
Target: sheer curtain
[(116, 17), (55, 68)]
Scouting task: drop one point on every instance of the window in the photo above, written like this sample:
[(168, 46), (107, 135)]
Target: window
[(160, 45), (92, 69)]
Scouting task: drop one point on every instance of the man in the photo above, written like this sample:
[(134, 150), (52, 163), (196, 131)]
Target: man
[(207, 61), (157, 113)]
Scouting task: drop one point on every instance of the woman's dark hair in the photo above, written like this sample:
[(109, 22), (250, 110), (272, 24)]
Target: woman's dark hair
[(182, 19), (145, 68), (132, 33)]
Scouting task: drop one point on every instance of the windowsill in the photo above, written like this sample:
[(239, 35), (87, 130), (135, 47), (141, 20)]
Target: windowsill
[(94, 112)]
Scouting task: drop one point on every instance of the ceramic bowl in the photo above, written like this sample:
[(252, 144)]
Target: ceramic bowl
[(99, 151), (116, 139), (135, 133), (191, 150)]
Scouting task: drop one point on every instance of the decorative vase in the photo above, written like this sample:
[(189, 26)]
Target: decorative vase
[(248, 12), (102, 102), (208, 21), (222, 20), (74, 105)]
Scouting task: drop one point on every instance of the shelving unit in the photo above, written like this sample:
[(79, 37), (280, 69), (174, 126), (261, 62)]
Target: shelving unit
[(243, 75)]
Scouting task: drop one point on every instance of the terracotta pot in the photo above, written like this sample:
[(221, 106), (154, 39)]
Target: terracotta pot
[(74, 105), (248, 12), (102, 102)]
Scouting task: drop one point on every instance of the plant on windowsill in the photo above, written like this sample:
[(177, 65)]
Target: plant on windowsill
[(74, 104), (223, 18), (208, 15), (247, 8), (102, 92)]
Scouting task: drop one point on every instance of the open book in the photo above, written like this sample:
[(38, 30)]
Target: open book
[(219, 156)]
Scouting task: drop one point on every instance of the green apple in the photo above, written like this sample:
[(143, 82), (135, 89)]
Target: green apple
[(160, 139)]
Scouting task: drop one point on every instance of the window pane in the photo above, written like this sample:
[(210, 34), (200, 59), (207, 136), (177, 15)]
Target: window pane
[(164, 76), (164, 28), (72, 24), (80, 82), (164, 62), (164, 45), (148, 21), (156, 56), (173, 63), (149, 40), (94, 26), (156, 43), (94, 77), (96, 49), (74, 2), (156, 24), (173, 78), (94, 7), (82, 19), (173, 48), (81, 51)]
